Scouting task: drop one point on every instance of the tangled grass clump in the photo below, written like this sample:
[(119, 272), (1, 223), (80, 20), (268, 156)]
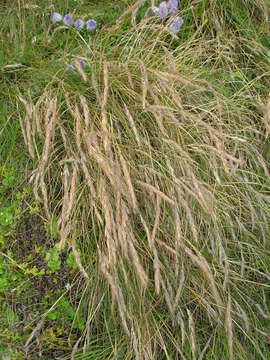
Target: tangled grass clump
[(159, 171)]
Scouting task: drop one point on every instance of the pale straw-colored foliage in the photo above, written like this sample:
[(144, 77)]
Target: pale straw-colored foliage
[(158, 170)]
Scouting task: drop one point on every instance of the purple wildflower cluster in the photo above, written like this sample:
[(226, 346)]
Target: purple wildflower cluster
[(68, 20), (117, 10), (165, 9), (71, 68)]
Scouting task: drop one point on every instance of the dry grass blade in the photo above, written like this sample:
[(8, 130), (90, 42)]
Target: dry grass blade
[(128, 181), (139, 268), (166, 76), (133, 17), (23, 132), (103, 108), (172, 65), (116, 292), (192, 334), (261, 160), (243, 315), (190, 217), (158, 115), (179, 290), (80, 70), (95, 86), (132, 124), (167, 296), (129, 10), (201, 262), (156, 223), (122, 224), (68, 203), (27, 128), (144, 83), (262, 313), (59, 28), (156, 270), (205, 349), (178, 239), (135, 345), (155, 190), (50, 122), (130, 81), (182, 327), (85, 110), (77, 256), (105, 164), (229, 330)]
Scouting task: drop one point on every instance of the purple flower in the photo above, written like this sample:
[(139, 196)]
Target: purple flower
[(173, 6), (91, 25), (173, 10), (179, 20), (149, 12), (68, 19), (115, 16), (79, 24), (155, 10), (117, 8), (163, 9), (55, 17), (83, 63), (152, 11), (176, 25), (70, 68)]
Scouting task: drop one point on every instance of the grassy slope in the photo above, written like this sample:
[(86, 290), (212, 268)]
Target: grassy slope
[(168, 180)]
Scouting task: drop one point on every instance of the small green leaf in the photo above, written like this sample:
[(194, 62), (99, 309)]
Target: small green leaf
[(51, 227), (71, 261), (53, 260), (4, 283), (53, 315), (11, 316), (6, 216)]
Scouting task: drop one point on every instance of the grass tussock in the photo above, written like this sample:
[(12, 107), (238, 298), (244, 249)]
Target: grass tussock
[(158, 168)]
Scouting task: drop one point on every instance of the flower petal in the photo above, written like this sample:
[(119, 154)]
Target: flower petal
[(68, 19), (79, 24), (55, 17), (91, 25), (70, 68), (163, 9)]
